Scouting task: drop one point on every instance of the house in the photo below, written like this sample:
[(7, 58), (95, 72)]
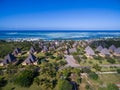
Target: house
[(99, 48), (31, 59), (89, 51), (117, 51), (104, 52), (10, 58), (32, 50), (45, 49), (72, 50), (112, 48), (52, 47), (16, 51)]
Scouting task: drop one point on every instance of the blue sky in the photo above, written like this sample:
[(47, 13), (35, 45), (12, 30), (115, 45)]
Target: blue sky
[(60, 14)]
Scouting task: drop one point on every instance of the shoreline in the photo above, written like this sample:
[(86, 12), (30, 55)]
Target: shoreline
[(38, 39)]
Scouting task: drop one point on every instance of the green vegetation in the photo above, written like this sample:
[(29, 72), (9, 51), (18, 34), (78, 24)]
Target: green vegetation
[(93, 75), (112, 87), (52, 72), (64, 85), (118, 70), (24, 78)]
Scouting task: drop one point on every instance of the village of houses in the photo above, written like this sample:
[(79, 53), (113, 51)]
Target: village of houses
[(89, 53)]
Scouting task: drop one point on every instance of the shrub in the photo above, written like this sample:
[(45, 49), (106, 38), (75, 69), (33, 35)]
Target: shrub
[(86, 70), (25, 78), (118, 71), (112, 87), (64, 85), (93, 75), (111, 60), (97, 67)]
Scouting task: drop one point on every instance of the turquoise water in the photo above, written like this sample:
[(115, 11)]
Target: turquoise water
[(58, 35)]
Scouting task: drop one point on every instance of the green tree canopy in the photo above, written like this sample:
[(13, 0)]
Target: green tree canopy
[(24, 78), (64, 85)]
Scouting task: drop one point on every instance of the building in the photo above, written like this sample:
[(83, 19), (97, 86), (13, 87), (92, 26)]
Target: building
[(104, 52), (112, 48), (99, 48), (31, 59), (72, 50), (17, 51), (10, 58), (32, 50), (89, 51), (117, 51)]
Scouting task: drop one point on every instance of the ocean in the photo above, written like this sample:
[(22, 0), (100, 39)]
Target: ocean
[(56, 35)]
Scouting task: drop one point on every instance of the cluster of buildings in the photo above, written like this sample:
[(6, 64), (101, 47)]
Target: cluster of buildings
[(102, 51), (31, 59), (56, 45)]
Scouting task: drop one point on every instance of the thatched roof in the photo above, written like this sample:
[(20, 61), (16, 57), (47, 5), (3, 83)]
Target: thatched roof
[(45, 49), (9, 58), (89, 51), (72, 50), (99, 48), (32, 50), (30, 59), (112, 48), (17, 51), (117, 51), (105, 51)]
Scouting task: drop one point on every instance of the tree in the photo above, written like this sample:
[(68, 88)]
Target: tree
[(64, 85), (37, 81), (97, 67), (112, 87), (118, 70), (93, 75), (3, 82), (24, 78), (111, 60)]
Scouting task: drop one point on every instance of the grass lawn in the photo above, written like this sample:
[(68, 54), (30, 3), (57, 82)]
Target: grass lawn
[(103, 80)]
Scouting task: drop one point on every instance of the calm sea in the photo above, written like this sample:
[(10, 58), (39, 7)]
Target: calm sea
[(57, 35)]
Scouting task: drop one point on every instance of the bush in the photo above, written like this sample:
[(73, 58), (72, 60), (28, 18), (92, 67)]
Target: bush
[(87, 87), (62, 63), (86, 70), (64, 85), (24, 78), (112, 87), (59, 57), (3, 82), (52, 57), (111, 60), (93, 75), (97, 67), (118, 71)]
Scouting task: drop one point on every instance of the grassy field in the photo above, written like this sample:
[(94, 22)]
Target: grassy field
[(103, 81)]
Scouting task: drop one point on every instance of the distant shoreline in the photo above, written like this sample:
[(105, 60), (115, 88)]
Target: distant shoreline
[(57, 35)]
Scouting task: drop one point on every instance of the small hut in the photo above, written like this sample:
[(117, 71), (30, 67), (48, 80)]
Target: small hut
[(99, 48), (32, 50), (117, 51), (10, 58), (17, 51), (72, 50), (89, 51), (112, 48), (31, 59), (104, 52), (45, 49)]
